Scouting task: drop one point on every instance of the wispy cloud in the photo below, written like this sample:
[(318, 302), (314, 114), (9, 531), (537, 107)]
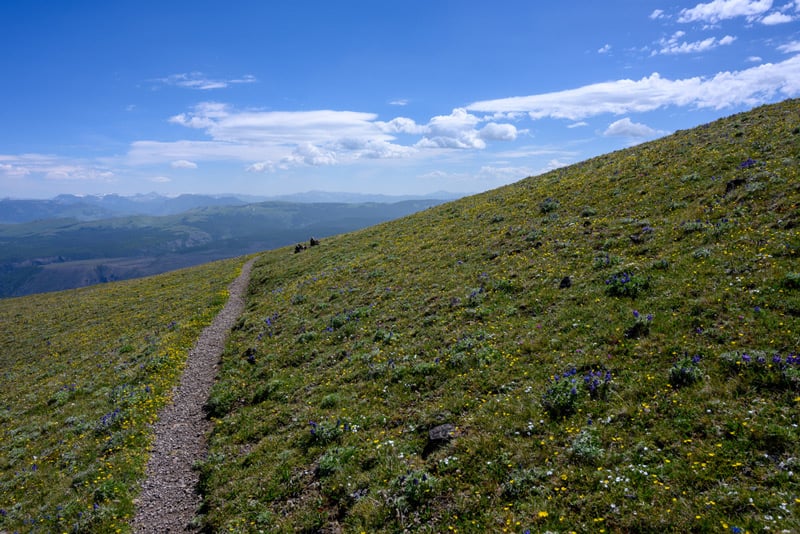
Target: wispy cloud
[(605, 49), (751, 86), (183, 164), (198, 80), (52, 168), (790, 48)]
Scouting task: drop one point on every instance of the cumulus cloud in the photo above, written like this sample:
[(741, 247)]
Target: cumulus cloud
[(776, 18), (674, 45), (456, 130), (750, 87), (183, 164), (311, 155), (718, 10), (401, 125), (604, 49), (261, 166), (498, 132), (197, 80), (657, 14), (627, 128)]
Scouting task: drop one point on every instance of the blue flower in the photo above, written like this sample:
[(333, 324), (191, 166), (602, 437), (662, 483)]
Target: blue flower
[(746, 164)]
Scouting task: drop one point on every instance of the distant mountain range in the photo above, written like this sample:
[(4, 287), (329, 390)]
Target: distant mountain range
[(93, 208), (84, 246)]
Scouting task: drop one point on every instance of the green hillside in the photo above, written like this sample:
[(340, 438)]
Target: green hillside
[(613, 344), (609, 347)]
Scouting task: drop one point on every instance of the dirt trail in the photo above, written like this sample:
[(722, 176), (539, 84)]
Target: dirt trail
[(169, 499)]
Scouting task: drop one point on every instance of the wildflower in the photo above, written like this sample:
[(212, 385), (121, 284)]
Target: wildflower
[(543, 514), (746, 164)]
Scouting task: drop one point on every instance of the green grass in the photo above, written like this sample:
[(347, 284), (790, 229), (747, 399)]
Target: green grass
[(82, 375), (682, 258)]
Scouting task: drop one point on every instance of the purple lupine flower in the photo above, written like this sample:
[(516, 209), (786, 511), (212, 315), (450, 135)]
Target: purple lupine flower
[(746, 164)]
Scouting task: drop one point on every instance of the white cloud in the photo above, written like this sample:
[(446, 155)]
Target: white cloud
[(197, 80), (456, 130), (311, 155), (14, 171), (673, 45), (719, 10), (604, 49), (183, 164), (754, 59), (776, 18), (578, 124), (399, 102), (790, 48), (159, 179), (271, 140), (52, 168), (223, 123), (261, 166), (750, 87), (498, 132), (401, 125), (627, 128), (657, 14)]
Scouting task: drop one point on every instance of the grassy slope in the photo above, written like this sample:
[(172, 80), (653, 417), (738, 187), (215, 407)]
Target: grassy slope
[(82, 374), (351, 352)]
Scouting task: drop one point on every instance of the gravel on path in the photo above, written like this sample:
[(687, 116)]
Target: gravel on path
[(169, 499)]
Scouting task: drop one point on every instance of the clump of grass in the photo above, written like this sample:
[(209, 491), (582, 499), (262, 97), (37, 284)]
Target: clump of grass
[(685, 372), (626, 284)]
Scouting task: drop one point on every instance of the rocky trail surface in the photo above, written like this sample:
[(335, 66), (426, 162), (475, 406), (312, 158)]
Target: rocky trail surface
[(169, 499)]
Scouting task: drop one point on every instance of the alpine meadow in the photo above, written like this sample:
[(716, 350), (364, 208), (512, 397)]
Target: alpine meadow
[(612, 346)]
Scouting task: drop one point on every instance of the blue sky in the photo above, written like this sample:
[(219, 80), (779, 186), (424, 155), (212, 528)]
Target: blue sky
[(408, 97)]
